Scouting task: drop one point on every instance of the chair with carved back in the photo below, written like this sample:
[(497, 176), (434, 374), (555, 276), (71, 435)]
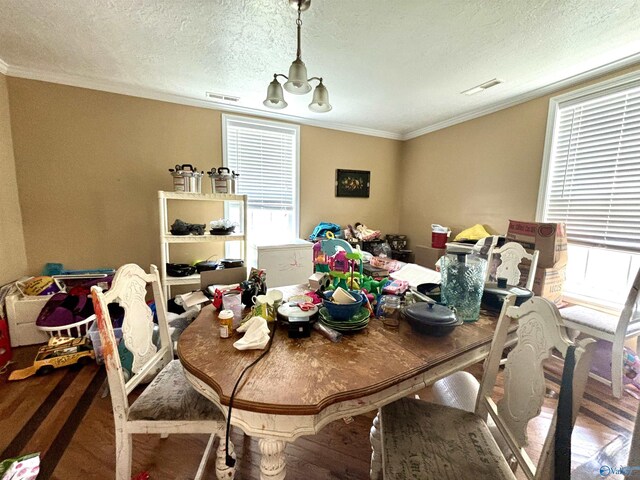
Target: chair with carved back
[(420, 440), (508, 258), (460, 389), (614, 328), (168, 405)]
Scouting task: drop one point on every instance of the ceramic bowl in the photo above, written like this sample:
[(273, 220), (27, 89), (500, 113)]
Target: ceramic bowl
[(343, 311)]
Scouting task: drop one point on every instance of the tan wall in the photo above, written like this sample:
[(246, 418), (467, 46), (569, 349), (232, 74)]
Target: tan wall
[(322, 152), (89, 165), (13, 260), (486, 170)]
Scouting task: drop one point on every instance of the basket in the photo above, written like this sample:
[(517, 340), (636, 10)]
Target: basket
[(94, 335), (77, 330)]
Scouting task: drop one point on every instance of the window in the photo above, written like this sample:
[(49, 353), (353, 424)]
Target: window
[(591, 181), (266, 155)]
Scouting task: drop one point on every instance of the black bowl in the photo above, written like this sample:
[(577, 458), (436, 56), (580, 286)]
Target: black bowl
[(431, 290), (206, 266), (180, 269), (222, 231), (493, 296)]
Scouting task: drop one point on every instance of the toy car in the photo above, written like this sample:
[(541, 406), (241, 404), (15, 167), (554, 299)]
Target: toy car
[(59, 352)]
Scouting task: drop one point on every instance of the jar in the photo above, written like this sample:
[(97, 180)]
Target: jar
[(232, 300), (463, 274), (389, 310), (226, 323)]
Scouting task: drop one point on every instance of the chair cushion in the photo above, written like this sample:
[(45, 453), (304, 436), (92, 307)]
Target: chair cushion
[(596, 319), (423, 440), (170, 396)]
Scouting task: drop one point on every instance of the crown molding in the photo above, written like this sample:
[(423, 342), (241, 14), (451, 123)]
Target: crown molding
[(525, 97), (165, 96)]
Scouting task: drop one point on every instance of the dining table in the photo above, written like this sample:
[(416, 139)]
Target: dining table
[(303, 384)]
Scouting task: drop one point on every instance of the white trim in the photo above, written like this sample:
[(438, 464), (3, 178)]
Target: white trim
[(152, 94), (546, 160), (525, 97)]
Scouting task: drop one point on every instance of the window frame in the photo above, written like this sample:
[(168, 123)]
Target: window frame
[(296, 163), (606, 87)]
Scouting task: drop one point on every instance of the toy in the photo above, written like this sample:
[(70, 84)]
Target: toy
[(319, 281), (397, 287), (59, 352), (601, 366)]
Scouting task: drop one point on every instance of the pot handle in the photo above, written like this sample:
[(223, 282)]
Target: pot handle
[(223, 169), (184, 167)]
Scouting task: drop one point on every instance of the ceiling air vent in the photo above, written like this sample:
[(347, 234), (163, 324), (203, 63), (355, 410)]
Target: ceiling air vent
[(483, 86), (222, 97)]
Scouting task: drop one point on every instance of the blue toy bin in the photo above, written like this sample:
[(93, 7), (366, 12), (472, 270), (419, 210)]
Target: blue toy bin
[(341, 311)]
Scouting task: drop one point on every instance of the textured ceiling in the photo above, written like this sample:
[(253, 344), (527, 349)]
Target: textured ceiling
[(394, 66)]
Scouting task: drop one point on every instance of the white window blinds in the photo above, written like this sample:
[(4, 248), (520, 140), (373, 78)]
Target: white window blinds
[(593, 179), (265, 156)]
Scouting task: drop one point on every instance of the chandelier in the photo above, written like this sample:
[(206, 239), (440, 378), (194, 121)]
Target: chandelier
[(297, 81)]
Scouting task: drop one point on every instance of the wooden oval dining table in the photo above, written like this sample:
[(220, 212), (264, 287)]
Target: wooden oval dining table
[(303, 384)]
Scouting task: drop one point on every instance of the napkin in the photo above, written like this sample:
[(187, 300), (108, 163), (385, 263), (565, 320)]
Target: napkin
[(256, 334)]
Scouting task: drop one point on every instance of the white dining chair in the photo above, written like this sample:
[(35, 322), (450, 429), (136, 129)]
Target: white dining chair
[(614, 328), (460, 389), (507, 260), (420, 440), (169, 404)]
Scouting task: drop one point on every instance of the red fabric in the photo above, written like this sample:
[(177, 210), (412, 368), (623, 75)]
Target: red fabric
[(5, 343)]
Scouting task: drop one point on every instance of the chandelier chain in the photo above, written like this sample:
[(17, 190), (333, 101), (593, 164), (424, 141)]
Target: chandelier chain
[(299, 24)]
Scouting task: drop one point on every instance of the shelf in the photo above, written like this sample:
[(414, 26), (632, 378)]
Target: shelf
[(191, 279), (207, 237), (166, 238), (216, 197)]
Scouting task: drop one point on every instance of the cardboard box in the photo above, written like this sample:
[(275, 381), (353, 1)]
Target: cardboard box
[(224, 276), (549, 283), (428, 256), (550, 239)]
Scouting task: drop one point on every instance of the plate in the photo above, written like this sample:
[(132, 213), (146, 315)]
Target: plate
[(358, 322)]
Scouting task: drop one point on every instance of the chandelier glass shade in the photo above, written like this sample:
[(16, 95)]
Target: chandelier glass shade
[(297, 82)]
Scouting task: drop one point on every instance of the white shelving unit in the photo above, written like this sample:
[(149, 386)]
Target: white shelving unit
[(167, 238)]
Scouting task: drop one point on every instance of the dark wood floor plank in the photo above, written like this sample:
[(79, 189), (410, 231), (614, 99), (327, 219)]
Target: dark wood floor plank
[(59, 414), (28, 428), (85, 443)]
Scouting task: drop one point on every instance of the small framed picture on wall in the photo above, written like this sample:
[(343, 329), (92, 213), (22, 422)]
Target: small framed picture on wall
[(352, 183)]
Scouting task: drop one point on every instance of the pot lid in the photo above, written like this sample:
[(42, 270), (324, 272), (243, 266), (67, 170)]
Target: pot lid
[(431, 314)]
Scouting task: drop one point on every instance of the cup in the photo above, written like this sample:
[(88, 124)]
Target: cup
[(233, 301), (262, 307), (340, 295), (274, 298), (260, 300)]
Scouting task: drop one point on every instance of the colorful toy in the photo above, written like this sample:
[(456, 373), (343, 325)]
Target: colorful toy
[(601, 365), (59, 352), (396, 287)]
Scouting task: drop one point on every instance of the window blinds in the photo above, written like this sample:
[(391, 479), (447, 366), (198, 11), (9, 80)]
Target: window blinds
[(265, 157), (594, 177)]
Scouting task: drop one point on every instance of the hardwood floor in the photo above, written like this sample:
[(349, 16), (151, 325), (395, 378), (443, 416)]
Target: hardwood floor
[(65, 418)]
